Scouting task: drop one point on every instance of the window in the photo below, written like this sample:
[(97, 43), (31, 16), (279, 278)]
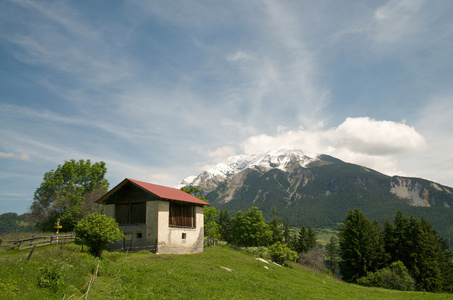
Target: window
[(181, 215), (133, 213)]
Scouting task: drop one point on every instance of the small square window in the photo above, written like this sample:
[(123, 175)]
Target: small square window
[(183, 236), (139, 235)]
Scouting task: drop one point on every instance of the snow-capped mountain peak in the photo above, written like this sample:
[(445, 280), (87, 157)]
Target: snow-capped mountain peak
[(279, 159)]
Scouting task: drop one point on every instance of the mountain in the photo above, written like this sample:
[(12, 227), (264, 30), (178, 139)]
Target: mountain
[(317, 190)]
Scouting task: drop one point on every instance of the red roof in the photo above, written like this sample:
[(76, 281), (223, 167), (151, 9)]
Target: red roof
[(159, 190)]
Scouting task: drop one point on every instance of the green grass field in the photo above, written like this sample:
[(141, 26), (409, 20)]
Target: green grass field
[(54, 273)]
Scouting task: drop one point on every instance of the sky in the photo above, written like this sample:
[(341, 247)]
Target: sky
[(161, 90)]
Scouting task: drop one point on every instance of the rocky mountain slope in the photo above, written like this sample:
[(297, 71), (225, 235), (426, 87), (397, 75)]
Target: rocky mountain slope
[(317, 190)]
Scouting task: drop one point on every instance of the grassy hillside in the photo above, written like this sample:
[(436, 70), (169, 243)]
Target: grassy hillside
[(148, 276)]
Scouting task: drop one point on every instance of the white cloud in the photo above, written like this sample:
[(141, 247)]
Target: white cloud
[(239, 56), (396, 20), (362, 141), (365, 135), (15, 156)]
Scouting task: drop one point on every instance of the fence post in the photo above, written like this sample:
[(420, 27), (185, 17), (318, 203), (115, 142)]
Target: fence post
[(31, 252)]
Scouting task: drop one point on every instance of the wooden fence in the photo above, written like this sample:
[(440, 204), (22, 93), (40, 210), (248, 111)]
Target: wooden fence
[(35, 241), (211, 242)]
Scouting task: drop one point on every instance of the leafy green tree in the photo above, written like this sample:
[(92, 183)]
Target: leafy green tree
[(14, 223), (211, 227), (96, 231), (280, 252), (68, 193), (360, 246), (395, 277), (250, 230)]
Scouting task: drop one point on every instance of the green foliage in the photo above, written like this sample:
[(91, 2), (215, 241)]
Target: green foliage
[(287, 233), (225, 226), (51, 273), (211, 227), (50, 277), (365, 248), (361, 248), (68, 193), (395, 277), (14, 223), (275, 225), (421, 249), (249, 229), (332, 252), (280, 252), (306, 240), (96, 231)]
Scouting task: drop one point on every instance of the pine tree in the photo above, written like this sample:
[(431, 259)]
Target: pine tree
[(418, 246), (275, 225), (301, 245), (332, 255), (225, 225), (359, 239), (311, 238), (286, 233)]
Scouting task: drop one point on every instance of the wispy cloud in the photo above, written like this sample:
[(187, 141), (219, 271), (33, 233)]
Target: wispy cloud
[(397, 19), (9, 155)]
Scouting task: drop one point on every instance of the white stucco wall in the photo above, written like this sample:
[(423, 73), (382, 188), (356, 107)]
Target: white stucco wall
[(177, 240)]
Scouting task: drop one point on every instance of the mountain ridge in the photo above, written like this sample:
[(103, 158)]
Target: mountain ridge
[(318, 190)]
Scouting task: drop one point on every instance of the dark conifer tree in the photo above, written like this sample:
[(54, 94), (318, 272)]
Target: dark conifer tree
[(358, 246), (332, 255), (311, 238), (225, 225), (301, 245), (276, 227), (286, 233)]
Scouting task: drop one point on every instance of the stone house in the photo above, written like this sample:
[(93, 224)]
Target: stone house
[(155, 217)]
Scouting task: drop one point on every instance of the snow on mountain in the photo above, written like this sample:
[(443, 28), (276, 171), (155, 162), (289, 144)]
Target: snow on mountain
[(279, 158)]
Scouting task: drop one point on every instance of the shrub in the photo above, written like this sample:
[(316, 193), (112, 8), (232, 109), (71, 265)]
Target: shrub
[(50, 277), (313, 258), (395, 277), (96, 231), (280, 252)]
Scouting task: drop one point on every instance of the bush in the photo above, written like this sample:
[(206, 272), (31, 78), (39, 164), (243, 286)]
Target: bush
[(50, 277), (280, 252), (96, 231), (395, 277), (313, 258)]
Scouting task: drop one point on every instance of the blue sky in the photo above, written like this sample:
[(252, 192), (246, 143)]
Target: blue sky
[(161, 90)]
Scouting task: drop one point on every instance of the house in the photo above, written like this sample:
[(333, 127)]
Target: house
[(155, 217)]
